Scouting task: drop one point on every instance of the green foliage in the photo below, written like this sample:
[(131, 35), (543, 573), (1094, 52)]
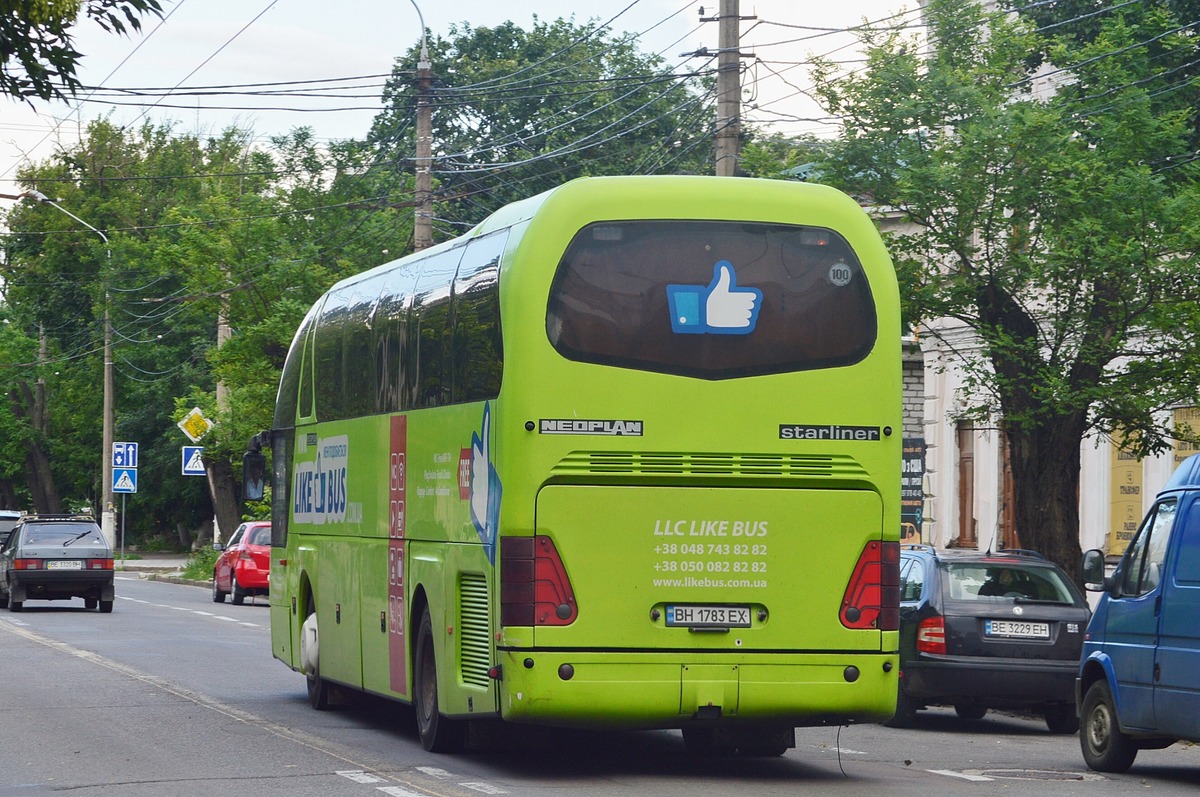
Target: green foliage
[(1057, 223), (37, 55), (516, 112), (192, 244), (192, 229), (200, 565), (777, 157)]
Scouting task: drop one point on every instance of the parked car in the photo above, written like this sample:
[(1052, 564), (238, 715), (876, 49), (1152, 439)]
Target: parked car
[(988, 630), (8, 521), (56, 557), (1139, 678), (244, 566)]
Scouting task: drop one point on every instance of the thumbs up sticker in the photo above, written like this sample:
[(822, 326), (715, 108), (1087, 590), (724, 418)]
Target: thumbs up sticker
[(719, 308)]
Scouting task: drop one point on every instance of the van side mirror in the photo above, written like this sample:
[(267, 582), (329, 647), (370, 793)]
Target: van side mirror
[(1093, 570)]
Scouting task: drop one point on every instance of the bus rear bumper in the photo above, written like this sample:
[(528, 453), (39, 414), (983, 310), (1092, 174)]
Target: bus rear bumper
[(588, 689)]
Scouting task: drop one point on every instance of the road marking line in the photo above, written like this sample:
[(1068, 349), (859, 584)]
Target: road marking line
[(950, 773), (435, 772), (485, 788), (358, 776), (400, 791), (326, 747)]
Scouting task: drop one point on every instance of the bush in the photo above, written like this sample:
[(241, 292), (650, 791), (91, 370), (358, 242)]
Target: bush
[(200, 565)]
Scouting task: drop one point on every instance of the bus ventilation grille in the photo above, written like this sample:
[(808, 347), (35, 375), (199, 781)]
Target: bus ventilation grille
[(474, 638), (710, 465)]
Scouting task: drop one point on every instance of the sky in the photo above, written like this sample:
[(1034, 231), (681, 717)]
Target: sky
[(227, 42)]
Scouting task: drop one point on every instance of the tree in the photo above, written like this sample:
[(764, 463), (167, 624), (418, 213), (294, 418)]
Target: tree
[(516, 112), (1059, 225), (37, 56)]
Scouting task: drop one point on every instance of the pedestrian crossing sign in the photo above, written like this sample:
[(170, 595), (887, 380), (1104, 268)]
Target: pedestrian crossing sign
[(193, 460), (124, 480)]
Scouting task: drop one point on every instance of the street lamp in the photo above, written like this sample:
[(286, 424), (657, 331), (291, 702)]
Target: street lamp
[(107, 521)]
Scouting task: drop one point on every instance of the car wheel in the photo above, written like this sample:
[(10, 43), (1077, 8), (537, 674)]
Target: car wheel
[(218, 595), (906, 711), (14, 605), (236, 593), (438, 734), (970, 711), (1105, 747), (90, 603), (319, 690), (1061, 718), (106, 607)]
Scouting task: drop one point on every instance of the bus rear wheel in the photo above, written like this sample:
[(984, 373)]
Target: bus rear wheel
[(439, 734)]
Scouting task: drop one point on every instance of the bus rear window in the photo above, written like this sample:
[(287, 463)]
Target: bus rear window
[(712, 300)]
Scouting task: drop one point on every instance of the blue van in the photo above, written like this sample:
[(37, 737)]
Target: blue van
[(1139, 677)]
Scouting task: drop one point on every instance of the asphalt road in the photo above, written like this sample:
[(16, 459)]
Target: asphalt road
[(172, 694)]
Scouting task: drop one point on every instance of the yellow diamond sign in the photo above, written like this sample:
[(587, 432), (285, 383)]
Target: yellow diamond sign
[(195, 425)]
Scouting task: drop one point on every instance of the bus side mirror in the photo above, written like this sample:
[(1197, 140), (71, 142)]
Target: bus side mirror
[(254, 464), (1093, 570)]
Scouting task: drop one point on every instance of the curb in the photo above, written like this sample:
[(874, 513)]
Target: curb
[(170, 578)]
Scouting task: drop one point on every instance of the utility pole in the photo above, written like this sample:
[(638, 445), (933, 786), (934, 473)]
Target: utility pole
[(729, 88), (423, 216)]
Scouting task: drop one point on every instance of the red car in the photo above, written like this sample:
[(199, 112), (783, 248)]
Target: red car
[(244, 564)]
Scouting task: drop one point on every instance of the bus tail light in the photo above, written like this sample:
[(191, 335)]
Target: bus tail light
[(931, 635), (534, 588), (872, 598)]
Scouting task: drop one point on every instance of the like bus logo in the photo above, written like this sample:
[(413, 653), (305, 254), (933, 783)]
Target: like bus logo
[(719, 308), (484, 491)]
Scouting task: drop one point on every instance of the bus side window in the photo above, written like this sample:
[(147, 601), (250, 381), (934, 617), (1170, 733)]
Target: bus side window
[(358, 366), (295, 384), (435, 321), (395, 356), (478, 352), (327, 358)]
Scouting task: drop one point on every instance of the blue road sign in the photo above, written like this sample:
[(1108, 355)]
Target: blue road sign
[(124, 480), (193, 461), (125, 455)]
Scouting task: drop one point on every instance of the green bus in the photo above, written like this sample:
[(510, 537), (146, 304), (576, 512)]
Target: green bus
[(625, 455)]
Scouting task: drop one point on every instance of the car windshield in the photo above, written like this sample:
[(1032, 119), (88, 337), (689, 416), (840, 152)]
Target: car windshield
[(1007, 581), (62, 534)]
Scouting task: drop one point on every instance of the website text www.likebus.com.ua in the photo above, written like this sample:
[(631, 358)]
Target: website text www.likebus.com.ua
[(721, 583)]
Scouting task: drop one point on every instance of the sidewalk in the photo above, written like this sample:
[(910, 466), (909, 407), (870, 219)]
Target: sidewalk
[(152, 563)]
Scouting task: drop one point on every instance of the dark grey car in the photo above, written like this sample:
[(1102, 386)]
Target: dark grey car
[(983, 630), (56, 557)]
